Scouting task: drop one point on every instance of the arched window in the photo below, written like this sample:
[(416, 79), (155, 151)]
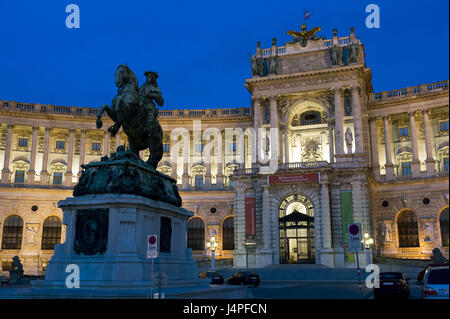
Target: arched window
[(196, 234), (12, 232), (408, 233), (51, 233), (310, 118), (228, 234), (443, 221)]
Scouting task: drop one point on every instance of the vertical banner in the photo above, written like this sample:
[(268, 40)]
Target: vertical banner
[(250, 215), (346, 212)]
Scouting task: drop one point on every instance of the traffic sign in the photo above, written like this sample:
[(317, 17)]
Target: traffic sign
[(354, 237), (152, 246)]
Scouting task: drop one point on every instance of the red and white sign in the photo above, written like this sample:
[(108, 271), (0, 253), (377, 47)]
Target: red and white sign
[(250, 215), (152, 246), (297, 178)]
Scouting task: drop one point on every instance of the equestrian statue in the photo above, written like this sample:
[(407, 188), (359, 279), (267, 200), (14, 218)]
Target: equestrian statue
[(134, 109)]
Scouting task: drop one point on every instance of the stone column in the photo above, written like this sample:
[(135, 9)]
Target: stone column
[(389, 166), (325, 216), (339, 121), (44, 172), (6, 171), (428, 130), (106, 150), (415, 161), (256, 124), (266, 220), (356, 104), (219, 176), (82, 150), (208, 175), (286, 146), (274, 125), (68, 175), (185, 176), (331, 141), (239, 253), (31, 171), (374, 144)]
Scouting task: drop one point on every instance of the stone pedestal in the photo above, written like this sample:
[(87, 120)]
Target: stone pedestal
[(107, 239)]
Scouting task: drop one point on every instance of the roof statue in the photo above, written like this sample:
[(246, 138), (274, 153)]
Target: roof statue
[(303, 36)]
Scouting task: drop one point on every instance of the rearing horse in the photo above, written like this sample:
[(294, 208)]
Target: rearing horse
[(137, 114)]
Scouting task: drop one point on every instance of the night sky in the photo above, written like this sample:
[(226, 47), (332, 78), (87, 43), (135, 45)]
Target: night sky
[(199, 48)]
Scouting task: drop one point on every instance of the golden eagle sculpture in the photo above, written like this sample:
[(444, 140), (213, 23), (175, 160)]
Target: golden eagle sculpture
[(304, 35)]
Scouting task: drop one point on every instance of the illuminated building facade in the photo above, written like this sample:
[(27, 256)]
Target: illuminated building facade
[(318, 149)]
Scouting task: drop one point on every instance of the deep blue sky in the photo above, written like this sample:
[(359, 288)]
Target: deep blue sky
[(200, 47)]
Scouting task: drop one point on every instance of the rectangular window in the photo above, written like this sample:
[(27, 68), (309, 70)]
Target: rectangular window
[(233, 147), (166, 148), (57, 178), (23, 142), (406, 169), (20, 177), (347, 212), (445, 164), (403, 131), (96, 146), (444, 126), (60, 145)]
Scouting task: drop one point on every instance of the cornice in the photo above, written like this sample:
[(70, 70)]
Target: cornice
[(289, 76)]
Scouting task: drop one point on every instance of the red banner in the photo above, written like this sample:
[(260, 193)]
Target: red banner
[(250, 215), (282, 179)]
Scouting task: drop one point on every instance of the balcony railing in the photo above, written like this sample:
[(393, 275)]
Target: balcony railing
[(409, 91), (88, 111)]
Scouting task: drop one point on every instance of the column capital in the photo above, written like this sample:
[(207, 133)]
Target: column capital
[(339, 90), (273, 98), (256, 99)]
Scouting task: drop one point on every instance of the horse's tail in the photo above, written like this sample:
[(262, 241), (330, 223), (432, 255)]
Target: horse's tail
[(99, 122)]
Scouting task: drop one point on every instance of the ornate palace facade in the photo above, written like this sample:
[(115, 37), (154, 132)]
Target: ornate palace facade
[(318, 149)]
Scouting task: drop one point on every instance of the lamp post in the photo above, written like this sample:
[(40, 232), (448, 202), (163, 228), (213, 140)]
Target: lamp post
[(367, 241), (212, 244)]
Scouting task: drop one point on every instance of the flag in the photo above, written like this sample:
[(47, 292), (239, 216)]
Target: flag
[(307, 14)]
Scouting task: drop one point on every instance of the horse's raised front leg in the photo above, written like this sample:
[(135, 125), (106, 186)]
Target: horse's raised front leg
[(99, 122), (113, 129)]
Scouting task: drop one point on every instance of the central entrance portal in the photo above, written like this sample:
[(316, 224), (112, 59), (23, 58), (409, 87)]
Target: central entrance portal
[(296, 223)]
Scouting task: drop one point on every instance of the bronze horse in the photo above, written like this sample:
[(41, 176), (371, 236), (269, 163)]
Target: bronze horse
[(135, 111)]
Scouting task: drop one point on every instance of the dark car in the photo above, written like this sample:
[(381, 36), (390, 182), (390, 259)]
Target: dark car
[(392, 284), (244, 278), (216, 277), (422, 273), (3, 280)]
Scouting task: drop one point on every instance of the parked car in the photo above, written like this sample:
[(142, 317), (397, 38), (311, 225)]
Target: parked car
[(244, 278), (216, 277), (422, 273), (3, 280), (435, 283), (392, 284)]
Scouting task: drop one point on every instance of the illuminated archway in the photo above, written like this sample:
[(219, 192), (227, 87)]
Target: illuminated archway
[(296, 226)]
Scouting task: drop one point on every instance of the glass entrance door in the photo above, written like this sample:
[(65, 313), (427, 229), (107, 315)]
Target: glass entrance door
[(297, 239)]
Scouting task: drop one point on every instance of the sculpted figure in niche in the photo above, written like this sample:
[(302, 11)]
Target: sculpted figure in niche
[(349, 139), (428, 230), (387, 233)]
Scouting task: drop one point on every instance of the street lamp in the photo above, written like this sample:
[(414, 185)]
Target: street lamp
[(212, 244), (367, 241)]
